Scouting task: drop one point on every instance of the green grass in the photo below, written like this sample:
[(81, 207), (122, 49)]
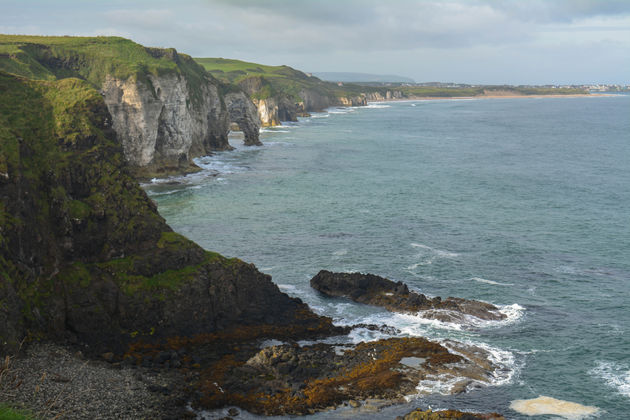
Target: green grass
[(8, 413), (93, 59), (275, 80), (444, 92), (232, 70)]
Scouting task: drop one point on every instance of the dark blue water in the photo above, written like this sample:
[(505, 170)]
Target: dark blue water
[(524, 203)]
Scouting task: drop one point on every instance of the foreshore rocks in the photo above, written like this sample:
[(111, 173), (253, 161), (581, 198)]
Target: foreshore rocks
[(396, 297), (420, 414), (294, 379)]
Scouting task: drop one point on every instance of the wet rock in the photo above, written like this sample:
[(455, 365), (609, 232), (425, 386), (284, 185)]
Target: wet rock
[(289, 379), (233, 412), (420, 414), (396, 297)]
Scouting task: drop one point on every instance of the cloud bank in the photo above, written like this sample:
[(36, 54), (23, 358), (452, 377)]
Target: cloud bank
[(478, 41)]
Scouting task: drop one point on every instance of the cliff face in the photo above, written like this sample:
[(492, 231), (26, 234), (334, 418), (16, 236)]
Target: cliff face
[(389, 95), (244, 113), (272, 111), (282, 93), (84, 254), (166, 109), (160, 127)]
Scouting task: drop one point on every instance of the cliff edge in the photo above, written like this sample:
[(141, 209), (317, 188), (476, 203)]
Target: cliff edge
[(165, 108), (85, 256)]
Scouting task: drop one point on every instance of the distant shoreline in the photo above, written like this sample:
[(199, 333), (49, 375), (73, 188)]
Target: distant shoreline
[(432, 98)]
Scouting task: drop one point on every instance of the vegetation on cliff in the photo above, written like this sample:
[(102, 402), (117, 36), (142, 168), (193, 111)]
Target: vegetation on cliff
[(92, 59), (263, 82), (84, 254)]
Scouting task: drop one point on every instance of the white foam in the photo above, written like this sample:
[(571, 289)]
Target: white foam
[(496, 283), (362, 335), (428, 261), (513, 313), (436, 384), (548, 405), (438, 252), (504, 362), (376, 106), (340, 252), (616, 375), (286, 287), (270, 343)]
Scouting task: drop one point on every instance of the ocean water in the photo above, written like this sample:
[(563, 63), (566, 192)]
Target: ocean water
[(524, 203)]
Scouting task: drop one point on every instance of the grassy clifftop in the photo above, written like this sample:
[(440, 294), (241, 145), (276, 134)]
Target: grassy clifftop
[(275, 80), (92, 59)]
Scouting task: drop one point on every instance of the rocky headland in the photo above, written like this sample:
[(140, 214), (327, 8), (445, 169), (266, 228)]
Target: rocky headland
[(282, 93), (95, 287), (165, 108), (396, 297)]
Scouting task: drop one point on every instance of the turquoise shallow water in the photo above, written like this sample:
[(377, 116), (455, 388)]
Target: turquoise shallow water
[(524, 203)]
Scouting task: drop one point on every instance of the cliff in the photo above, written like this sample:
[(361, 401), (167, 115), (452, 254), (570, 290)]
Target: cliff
[(165, 108), (84, 254), (244, 113), (282, 93)]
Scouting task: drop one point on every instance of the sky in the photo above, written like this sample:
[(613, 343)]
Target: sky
[(463, 41)]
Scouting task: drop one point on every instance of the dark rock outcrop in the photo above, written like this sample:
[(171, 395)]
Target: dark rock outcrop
[(396, 297), (84, 254), (420, 414)]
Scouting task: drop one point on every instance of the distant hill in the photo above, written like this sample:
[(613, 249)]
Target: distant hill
[(362, 77)]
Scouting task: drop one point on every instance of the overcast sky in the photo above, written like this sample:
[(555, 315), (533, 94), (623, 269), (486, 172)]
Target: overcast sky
[(466, 41)]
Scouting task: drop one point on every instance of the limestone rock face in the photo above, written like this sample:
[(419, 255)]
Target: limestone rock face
[(162, 124), (359, 100), (267, 111), (244, 113), (389, 95)]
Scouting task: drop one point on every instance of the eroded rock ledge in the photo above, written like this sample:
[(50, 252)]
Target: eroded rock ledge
[(396, 297), (292, 379), (449, 414)]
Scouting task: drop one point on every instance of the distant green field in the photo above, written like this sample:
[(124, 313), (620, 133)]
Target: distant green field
[(446, 92), (276, 80)]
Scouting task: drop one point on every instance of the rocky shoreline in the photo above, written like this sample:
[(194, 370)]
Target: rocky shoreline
[(123, 318)]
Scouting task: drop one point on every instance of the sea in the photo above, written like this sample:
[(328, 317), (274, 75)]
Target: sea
[(520, 202)]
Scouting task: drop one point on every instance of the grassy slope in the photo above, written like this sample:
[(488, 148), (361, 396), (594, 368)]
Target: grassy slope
[(92, 59), (277, 80), (8, 413)]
